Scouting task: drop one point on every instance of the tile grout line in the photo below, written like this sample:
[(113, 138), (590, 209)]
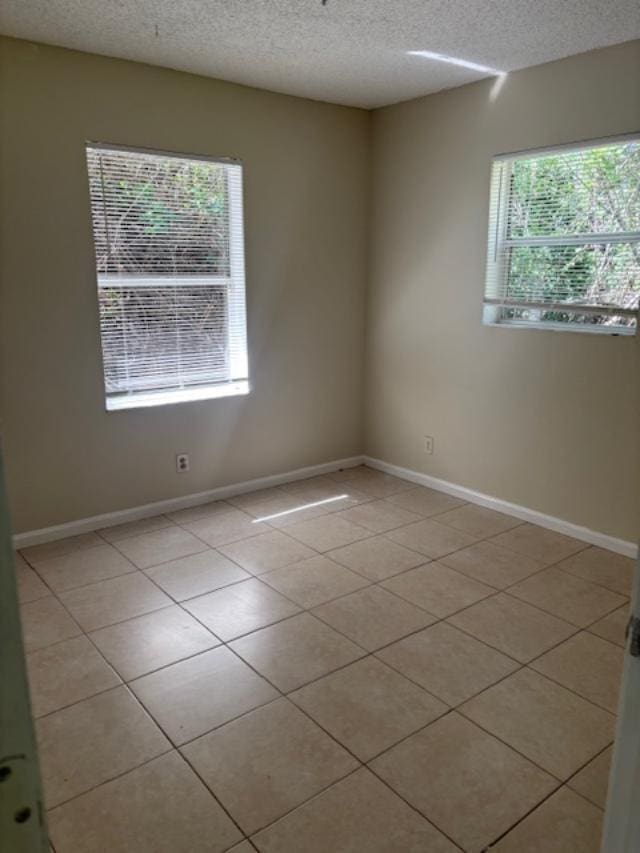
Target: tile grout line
[(373, 653), (548, 797), (367, 652), (112, 778), (308, 610)]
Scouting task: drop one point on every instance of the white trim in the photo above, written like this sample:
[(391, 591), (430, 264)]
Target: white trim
[(591, 239), (109, 519), (155, 152), (594, 537), (166, 397), (109, 280), (578, 145), (621, 832)]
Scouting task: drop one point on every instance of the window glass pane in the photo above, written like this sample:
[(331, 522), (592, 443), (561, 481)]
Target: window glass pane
[(588, 191), (591, 274), (564, 238), (159, 215), (163, 337), (169, 245)]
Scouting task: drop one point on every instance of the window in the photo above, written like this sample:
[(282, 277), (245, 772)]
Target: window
[(564, 238), (169, 246)]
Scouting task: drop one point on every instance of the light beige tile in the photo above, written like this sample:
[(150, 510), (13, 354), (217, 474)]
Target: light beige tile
[(438, 589), (134, 528), (161, 807), (587, 665), (467, 783), (373, 617), (340, 500), (296, 651), (345, 475), (377, 558), (556, 729), (492, 564), (613, 626), (35, 553), (266, 552), (280, 510), (376, 484), (343, 498), (330, 495), (94, 741), (602, 567), (226, 527), (114, 600), (270, 502), (194, 696), (318, 481), (66, 673), (259, 496), (79, 568), (19, 560), (149, 642), (160, 546), (243, 847), (241, 608), (544, 545), (268, 762), (314, 581), (193, 513), (431, 538), (425, 502), (355, 815), (368, 707), (30, 587), (567, 597), (447, 663), (327, 532), (592, 782), (379, 516), (478, 521), (196, 574), (519, 630), (565, 823), (44, 622)]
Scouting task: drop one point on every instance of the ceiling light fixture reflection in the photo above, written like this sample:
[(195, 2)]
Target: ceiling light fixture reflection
[(300, 508), (474, 66)]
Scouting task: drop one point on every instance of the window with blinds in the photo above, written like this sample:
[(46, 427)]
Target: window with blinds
[(169, 244), (564, 238)]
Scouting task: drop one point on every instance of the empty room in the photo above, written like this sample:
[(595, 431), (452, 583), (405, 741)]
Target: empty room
[(320, 426)]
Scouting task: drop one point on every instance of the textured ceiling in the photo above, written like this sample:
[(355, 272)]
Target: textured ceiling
[(345, 51)]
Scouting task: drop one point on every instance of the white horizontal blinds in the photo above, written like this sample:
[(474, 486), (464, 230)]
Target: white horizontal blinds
[(238, 366), (169, 247), (564, 236)]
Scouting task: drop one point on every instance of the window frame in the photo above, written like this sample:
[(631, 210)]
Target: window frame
[(235, 283), (498, 241)]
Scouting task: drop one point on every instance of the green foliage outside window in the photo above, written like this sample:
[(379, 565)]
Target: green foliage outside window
[(586, 192)]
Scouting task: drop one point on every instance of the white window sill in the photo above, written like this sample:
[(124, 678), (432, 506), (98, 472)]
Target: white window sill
[(145, 399), (612, 331)]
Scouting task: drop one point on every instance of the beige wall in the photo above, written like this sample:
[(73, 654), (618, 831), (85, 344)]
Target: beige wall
[(544, 419), (306, 172)]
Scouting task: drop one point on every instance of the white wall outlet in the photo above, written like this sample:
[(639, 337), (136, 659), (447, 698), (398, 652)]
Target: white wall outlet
[(182, 462), (428, 444)]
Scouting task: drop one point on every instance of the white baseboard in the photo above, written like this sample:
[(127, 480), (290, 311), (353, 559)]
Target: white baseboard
[(109, 519), (594, 537)]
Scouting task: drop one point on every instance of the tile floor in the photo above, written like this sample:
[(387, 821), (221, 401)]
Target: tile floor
[(389, 670)]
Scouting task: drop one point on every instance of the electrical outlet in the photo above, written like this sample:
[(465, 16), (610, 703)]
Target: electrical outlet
[(182, 462), (428, 444)]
